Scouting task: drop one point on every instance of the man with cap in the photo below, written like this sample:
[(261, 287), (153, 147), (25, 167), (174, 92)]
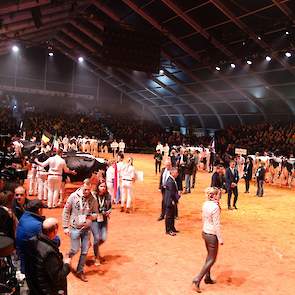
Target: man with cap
[(46, 270)]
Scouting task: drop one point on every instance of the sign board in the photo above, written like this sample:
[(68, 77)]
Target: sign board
[(239, 151)]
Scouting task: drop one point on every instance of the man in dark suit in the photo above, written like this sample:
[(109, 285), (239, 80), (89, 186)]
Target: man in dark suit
[(217, 179), (171, 199), (248, 173), (260, 178), (165, 172), (232, 179)]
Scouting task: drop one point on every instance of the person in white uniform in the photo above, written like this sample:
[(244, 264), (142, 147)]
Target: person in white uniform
[(57, 165), (110, 176), (65, 143), (33, 180), (122, 146), (114, 147), (128, 177), (42, 176), (166, 150)]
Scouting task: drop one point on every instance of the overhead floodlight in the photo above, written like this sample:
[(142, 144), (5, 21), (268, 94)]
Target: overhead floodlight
[(288, 54), (232, 66), (15, 48), (259, 38), (249, 62), (161, 72), (81, 59), (268, 58), (287, 33), (217, 68), (50, 53)]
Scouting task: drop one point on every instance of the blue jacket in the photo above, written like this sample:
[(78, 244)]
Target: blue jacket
[(30, 225)]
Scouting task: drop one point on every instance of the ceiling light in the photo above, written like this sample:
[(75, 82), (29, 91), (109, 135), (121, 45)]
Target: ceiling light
[(259, 38), (232, 66), (50, 53), (287, 33), (249, 62), (15, 48), (268, 58), (217, 68), (161, 72), (80, 59), (288, 54)]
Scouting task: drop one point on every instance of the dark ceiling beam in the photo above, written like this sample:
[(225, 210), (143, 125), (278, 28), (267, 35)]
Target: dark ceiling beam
[(78, 25), (260, 42), (218, 45), (172, 37), (198, 28), (105, 9), (21, 5), (100, 41), (27, 15), (70, 45), (22, 26), (285, 9), (192, 53)]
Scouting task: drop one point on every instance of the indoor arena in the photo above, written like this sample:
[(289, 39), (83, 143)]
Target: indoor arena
[(147, 147)]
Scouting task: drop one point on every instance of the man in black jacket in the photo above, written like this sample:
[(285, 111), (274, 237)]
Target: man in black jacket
[(20, 201), (260, 177), (165, 172), (248, 173), (171, 199), (45, 270), (232, 179), (217, 179)]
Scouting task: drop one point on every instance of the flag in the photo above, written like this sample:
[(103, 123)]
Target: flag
[(46, 137), (55, 143)]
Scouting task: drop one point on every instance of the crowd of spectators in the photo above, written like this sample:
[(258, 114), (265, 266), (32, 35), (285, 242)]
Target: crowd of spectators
[(278, 138), (7, 122)]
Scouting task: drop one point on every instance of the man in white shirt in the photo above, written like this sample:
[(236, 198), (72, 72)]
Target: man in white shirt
[(114, 147), (57, 165), (122, 146), (159, 147), (65, 143), (166, 150)]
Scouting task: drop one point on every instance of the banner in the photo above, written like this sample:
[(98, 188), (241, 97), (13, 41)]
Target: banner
[(239, 151)]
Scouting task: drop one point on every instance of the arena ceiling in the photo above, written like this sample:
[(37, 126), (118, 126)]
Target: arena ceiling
[(197, 84)]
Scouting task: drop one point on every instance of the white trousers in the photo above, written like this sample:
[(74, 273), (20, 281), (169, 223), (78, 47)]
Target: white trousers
[(126, 193), (32, 183), (110, 187), (54, 184), (62, 193), (42, 187)]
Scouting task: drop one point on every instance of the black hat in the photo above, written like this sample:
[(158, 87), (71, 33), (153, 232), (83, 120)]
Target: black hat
[(34, 205)]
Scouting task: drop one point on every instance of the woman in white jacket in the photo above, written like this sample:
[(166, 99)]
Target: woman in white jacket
[(211, 235), (128, 177)]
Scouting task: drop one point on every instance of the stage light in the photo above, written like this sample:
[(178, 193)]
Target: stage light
[(50, 53), (217, 68), (161, 72), (15, 48), (232, 66), (81, 59), (268, 58), (288, 54), (249, 62)]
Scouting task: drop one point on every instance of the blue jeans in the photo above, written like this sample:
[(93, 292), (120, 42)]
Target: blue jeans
[(79, 239), (188, 183), (99, 231)]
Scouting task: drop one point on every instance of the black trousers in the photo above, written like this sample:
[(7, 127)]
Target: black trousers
[(158, 166), (211, 243), (163, 203), (194, 178), (170, 218), (229, 194), (247, 184)]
